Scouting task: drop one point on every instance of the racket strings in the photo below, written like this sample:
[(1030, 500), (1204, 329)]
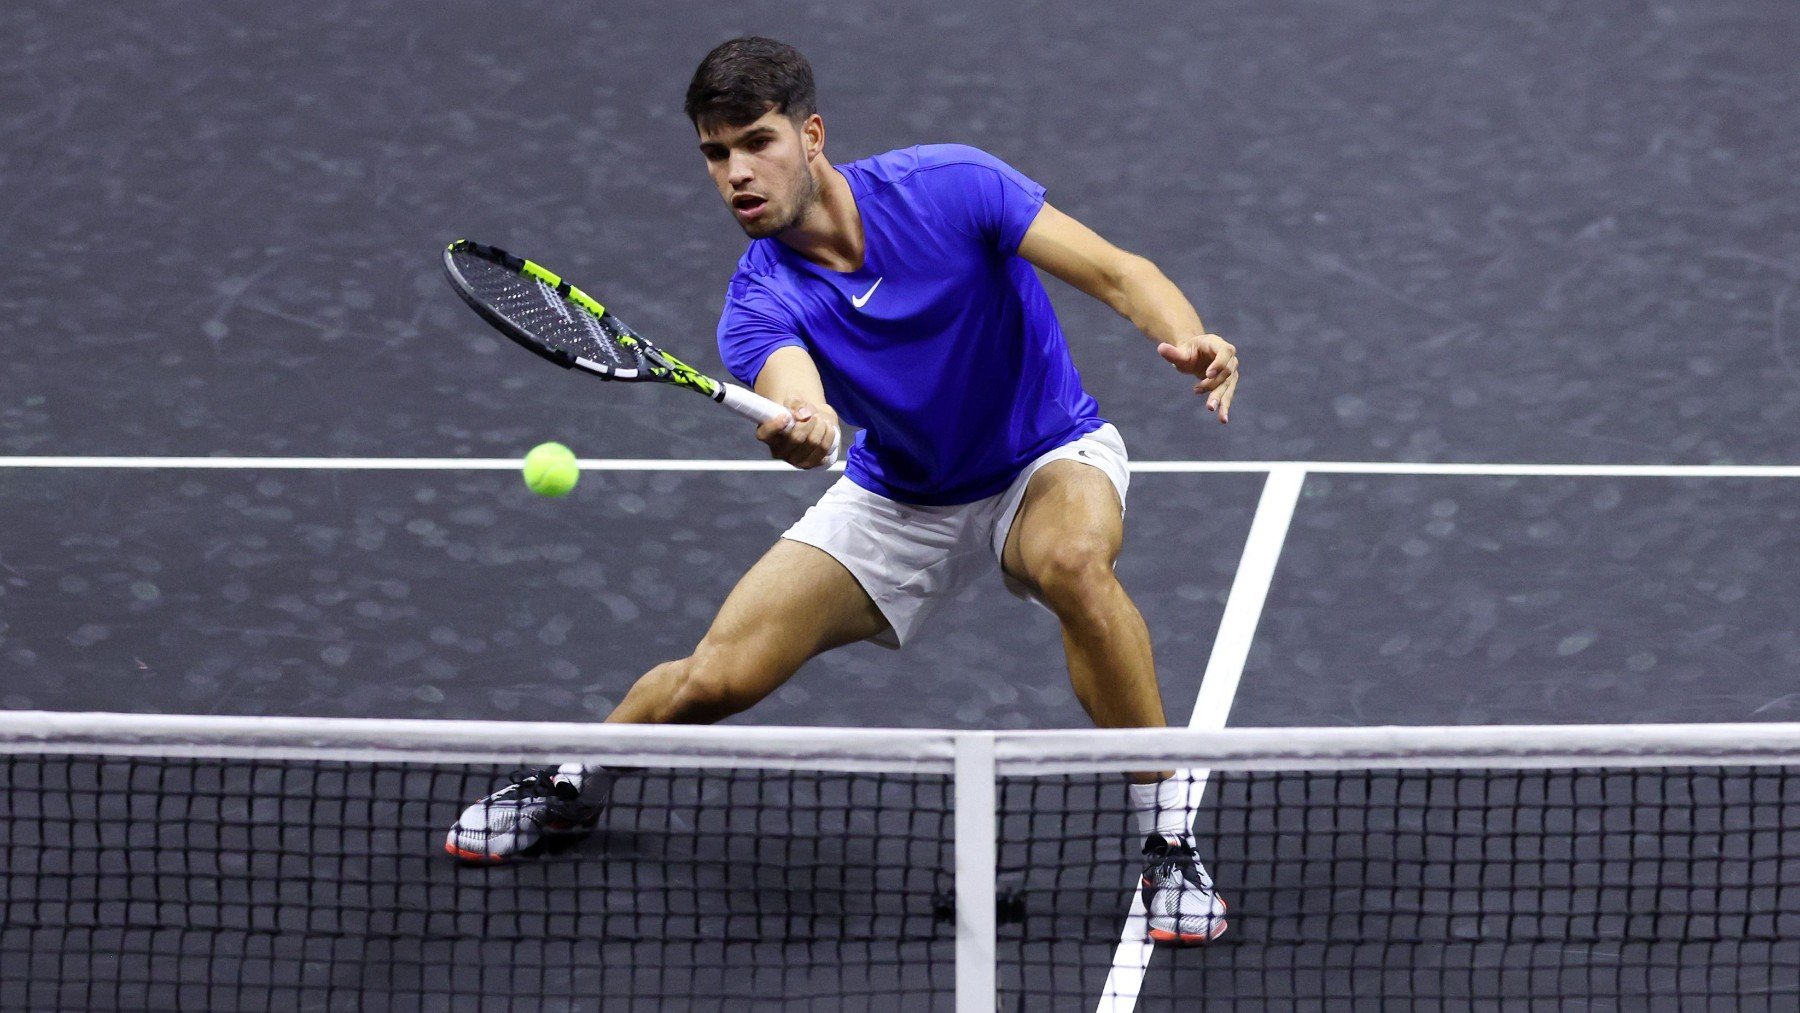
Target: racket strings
[(542, 313), (607, 336)]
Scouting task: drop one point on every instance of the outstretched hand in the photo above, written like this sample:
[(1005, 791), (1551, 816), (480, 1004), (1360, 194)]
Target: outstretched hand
[(1214, 360)]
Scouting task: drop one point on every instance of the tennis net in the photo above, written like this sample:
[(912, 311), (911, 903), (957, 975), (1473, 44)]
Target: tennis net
[(156, 862)]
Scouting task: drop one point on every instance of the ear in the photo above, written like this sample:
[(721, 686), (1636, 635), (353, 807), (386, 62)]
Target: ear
[(812, 135)]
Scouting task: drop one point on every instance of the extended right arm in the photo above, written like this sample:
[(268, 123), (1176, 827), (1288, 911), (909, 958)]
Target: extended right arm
[(791, 379)]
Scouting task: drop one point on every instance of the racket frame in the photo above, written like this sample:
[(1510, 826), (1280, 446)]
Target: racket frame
[(658, 365)]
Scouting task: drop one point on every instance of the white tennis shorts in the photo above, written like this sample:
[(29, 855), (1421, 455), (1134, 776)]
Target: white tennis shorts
[(913, 559)]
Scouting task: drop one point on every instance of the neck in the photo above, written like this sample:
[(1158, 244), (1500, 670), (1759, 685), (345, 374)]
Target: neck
[(830, 233)]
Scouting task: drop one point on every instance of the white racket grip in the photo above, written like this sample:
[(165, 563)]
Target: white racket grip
[(751, 405), (759, 409)]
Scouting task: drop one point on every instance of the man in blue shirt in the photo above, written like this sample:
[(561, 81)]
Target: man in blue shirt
[(898, 294)]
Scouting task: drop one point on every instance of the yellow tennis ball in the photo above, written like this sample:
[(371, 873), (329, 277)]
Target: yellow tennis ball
[(550, 469)]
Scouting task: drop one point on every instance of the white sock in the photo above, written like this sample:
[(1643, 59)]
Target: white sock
[(1164, 807)]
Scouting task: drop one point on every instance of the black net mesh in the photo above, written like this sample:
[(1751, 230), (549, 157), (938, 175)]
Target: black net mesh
[(1619, 889), (147, 883), (536, 309), (160, 884)]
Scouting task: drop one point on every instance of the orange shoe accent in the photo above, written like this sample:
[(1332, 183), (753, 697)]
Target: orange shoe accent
[(1187, 938), (1190, 938), (479, 857)]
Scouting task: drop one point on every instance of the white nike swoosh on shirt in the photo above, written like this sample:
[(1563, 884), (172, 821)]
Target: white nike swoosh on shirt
[(858, 300)]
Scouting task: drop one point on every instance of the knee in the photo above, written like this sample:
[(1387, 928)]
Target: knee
[(1075, 573), (705, 688)]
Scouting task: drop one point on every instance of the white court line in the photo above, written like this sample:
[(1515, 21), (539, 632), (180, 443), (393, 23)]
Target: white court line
[(385, 463), (1521, 470), (751, 464), (1218, 688)]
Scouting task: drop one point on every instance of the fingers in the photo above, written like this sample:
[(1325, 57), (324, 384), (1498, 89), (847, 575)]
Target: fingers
[(1216, 374), (1220, 401), (1207, 355), (774, 427), (804, 438), (1214, 360), (811, 437), (809, 444)]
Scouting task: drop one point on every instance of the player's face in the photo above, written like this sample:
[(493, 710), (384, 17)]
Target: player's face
[(762, 170)]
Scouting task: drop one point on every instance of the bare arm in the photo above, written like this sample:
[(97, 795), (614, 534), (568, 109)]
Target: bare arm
[(1138, 291), (791, 379)]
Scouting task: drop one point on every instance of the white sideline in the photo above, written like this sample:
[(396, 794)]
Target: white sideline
[(719, 465), (1218, 688)]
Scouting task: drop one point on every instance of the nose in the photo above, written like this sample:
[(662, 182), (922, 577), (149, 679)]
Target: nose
[(737, 171)]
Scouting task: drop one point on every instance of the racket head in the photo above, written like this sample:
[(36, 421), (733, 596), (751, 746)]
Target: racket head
[(537, 309)]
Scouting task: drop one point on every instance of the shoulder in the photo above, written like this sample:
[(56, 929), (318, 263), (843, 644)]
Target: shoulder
[(760, 261), (759, 282), (938, 155), (923, 165), (759, 273)]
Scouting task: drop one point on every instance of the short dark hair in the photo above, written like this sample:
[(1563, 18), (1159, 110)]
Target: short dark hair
[(744, 78)]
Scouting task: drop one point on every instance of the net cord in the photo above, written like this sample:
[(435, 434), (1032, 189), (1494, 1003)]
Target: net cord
[(1512, 747), (476, 742), (919, 751)]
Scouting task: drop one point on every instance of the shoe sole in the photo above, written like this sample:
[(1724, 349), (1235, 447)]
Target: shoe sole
[(551, 838), (1186, 938), (1168, 938), (473, 857)]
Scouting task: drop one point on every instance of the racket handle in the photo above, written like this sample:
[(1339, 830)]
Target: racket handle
[(750, 404), (759, 409)]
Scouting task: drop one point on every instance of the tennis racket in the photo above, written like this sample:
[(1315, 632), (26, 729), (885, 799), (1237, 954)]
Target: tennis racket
[(560, 322)]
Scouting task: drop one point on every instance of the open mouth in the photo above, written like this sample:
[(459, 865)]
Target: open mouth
[(748, 205)]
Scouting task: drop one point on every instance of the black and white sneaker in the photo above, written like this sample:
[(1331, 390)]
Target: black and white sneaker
[(1179, 899), (554, 805)]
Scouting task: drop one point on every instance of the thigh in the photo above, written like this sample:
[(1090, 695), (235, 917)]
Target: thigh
[(796, 602), (910, 559), (1070, 509)]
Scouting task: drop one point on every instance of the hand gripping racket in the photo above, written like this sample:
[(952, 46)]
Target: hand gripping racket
[(562, 323)]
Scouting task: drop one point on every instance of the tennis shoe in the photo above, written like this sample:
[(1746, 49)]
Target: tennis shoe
[(1179, 899), (554, 806)]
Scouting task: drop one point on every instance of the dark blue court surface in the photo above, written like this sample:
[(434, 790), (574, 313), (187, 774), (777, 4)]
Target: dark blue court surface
[(1453, 600), (447, 594), (1530, 232), (1535, 232)]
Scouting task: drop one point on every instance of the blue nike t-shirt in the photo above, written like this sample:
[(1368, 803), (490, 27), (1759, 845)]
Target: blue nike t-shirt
[(943, 347)]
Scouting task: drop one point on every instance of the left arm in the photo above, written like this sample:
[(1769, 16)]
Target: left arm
[(1139, 292)]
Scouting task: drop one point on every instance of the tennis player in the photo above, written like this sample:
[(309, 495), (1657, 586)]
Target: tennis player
[(898, 294)]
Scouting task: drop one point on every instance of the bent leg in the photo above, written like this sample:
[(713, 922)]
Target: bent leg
[(1062, 546), (795, 603)]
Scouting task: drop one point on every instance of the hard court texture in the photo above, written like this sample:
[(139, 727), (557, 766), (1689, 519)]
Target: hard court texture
[(1538, 232), (1549, 232)]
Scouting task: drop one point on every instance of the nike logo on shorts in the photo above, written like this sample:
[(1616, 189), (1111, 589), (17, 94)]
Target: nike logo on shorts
[(859, 300)]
